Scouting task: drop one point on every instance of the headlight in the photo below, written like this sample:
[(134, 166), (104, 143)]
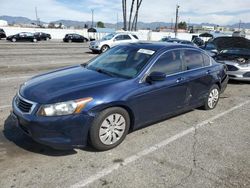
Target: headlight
[(64, 108)]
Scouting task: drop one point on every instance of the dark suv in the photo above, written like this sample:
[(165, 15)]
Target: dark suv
[(74, 38), (42, 36), (2, 34)]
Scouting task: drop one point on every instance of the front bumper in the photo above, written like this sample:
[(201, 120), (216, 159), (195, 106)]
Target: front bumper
[(62, 132), (241, 75), (94, 47)]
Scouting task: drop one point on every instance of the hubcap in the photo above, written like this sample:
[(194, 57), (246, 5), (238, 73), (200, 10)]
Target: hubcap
[(213, 98), (112, 129), (104, 49)]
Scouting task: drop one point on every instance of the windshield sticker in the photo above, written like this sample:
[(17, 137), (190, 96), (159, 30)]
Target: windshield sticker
[(145, 51)]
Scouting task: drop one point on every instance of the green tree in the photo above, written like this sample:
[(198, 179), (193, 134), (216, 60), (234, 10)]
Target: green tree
[(182, 25), (100, 24)]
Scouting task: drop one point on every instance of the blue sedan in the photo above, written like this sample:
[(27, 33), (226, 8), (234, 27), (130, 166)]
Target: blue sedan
[(122, 90)]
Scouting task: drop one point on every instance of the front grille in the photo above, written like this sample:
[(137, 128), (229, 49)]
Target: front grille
[(23, 105), (247, 74), (232, 68)]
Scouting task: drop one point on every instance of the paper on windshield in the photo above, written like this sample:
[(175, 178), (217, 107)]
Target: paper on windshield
[(146, 51)]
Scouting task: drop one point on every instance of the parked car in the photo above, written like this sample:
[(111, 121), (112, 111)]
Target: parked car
[(210, 48), (235, 53), (42, 36), (74, 38), (111, 40), (121, 90), (22, 37), (2, 34), (176, 40), (198, 41)]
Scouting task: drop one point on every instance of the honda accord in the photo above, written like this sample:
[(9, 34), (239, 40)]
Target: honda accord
[(122, 90)]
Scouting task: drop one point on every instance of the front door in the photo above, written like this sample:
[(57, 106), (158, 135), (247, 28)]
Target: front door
[(155, 100)]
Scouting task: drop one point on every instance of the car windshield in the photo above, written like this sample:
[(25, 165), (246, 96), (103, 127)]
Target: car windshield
[(121, 61), (108, 37)]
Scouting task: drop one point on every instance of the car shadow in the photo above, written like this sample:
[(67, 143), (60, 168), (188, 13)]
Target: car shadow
[(238, 82), (15, 135)]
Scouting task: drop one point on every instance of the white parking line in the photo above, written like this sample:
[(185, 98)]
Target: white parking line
[(150, 150), (41, 64), (15, 77), (5, 106)]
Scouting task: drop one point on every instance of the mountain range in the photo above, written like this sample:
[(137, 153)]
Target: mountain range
[(81, 24)]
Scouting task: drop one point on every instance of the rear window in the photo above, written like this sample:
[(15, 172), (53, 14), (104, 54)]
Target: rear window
[(135, 36)]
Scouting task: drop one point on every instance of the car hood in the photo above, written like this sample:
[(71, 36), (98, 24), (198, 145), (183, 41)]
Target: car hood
[(64, 84), (223, 43)]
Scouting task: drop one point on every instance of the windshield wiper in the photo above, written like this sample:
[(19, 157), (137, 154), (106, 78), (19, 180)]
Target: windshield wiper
[(101, 71)]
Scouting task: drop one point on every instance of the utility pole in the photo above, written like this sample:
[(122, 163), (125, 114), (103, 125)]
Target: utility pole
[(117, 19), (92, 24), (239, 25), (37, 19), (176, 20)]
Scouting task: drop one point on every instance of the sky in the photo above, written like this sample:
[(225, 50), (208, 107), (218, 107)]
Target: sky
[(221, 12)]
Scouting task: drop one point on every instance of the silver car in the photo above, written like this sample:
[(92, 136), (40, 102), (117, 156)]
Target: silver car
[(235, 53), (112, 40)]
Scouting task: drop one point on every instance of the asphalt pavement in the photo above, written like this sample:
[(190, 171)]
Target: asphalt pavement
[(195, 149)]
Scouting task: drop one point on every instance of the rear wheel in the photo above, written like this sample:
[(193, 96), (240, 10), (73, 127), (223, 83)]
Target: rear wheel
[(109, 128), (13, 39), (212, 98)]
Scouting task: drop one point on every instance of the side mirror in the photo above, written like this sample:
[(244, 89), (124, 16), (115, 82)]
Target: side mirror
[(156, 76)]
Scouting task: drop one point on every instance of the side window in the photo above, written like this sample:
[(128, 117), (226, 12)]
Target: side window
[(206, 60), (193, 59), (169, 63), (126, 37), (135, 36), (119, 37)]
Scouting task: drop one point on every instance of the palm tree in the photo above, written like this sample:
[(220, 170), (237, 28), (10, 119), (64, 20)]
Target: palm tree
[(124, 9), (130, 16), (134, 24)]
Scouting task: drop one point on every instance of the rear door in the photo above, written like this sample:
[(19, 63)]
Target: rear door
[(198, 69)]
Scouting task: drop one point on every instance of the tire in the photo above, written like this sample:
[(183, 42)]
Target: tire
[(34, 40), (213, 97), (104, 48), (13, 39), (109, 128), (95, 51)]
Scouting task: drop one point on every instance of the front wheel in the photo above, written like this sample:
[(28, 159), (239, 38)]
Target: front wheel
[(104, 48), (109, 128), (212, 99)]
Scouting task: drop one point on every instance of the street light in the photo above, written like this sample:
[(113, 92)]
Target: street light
[(176, 20)]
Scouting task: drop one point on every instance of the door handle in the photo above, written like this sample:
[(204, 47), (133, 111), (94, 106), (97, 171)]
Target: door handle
[(180, 79)]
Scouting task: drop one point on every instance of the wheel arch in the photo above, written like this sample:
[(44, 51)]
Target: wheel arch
[(120, 105)]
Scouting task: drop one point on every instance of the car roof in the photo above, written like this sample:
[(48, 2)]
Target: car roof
[(156, 46)]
